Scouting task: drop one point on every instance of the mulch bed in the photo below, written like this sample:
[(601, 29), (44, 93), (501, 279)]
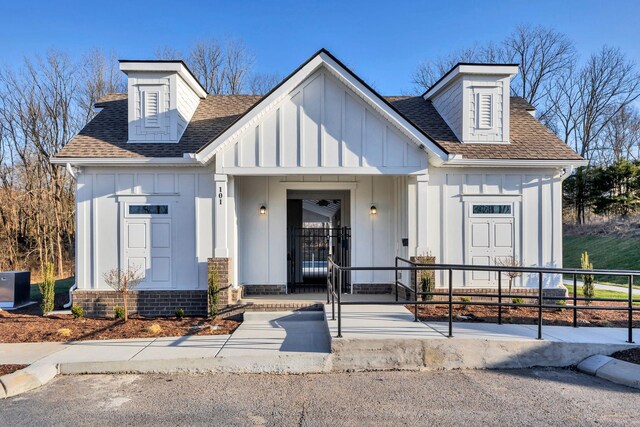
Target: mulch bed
[(632, 355), (25, 326), (9, 369), (528, 315)]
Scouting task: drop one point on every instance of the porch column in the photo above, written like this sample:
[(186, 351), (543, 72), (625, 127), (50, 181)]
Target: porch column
[(220, 237), (417, 208), (423, 214)]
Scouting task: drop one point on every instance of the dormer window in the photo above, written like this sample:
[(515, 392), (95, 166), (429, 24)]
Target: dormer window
[(151, 108), (485, 109)]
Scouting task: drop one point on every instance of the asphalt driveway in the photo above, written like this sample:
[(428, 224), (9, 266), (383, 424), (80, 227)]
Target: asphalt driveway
[(514, 397)]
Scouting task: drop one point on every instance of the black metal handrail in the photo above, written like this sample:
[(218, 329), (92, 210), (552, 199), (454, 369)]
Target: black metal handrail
[(335, 279)]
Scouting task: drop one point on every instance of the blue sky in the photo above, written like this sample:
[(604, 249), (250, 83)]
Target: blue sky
[(381, 41)]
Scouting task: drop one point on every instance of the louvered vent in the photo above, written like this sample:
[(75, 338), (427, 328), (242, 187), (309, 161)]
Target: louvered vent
[(485, 111), (151, 109)]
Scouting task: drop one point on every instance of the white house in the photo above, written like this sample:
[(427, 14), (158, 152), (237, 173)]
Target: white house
[(176, 181)]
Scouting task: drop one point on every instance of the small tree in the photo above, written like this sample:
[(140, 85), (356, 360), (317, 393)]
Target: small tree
[(427, 284), (214, 289), (47, 289), (509, 261), (588, 286), (123, 281)]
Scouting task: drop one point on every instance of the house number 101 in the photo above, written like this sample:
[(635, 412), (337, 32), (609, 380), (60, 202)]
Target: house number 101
[(220, 195)]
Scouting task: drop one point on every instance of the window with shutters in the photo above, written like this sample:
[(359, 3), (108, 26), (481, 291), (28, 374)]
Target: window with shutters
[(151, 109), (484, 110)]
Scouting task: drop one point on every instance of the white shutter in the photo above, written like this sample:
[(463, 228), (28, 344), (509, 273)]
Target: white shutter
[(484, 110), (151, 109)]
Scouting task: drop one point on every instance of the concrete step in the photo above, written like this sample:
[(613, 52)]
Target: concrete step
[(283, 316)]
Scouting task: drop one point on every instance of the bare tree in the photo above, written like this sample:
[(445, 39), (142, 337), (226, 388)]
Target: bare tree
[(206, 62), (428, 72), (238, 62), (168, 53), (260, 84), (541, 53), (99, 75), (620, 139)]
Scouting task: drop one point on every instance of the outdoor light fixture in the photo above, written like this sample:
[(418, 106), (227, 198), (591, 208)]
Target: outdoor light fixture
[(263, 210), (373, 210)]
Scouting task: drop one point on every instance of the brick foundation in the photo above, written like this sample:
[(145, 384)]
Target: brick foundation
[(264, 289), (372, 288), (145, 303), (228, 296)]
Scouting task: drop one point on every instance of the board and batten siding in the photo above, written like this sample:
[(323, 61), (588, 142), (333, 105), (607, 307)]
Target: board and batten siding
[(537, 198), (321, 124), (100, 195)]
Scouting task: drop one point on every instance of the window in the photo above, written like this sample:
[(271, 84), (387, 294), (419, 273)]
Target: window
[(491, 209), (152, 109), (148, 209)]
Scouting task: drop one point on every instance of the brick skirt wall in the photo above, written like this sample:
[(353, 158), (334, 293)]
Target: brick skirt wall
[(144, 303), (264, 289)]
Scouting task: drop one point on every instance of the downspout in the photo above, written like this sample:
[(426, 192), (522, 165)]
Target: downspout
[(73, 175)]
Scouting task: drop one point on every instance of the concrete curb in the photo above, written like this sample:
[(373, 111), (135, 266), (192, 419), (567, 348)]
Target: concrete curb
[(614, 370), (26, 379)]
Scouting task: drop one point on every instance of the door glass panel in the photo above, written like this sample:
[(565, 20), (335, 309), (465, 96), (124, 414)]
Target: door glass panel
[(148, 209)]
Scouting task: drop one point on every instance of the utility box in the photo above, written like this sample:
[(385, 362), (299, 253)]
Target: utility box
[(15, 288)]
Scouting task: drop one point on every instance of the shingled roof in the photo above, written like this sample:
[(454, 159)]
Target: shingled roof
[(106, 135)]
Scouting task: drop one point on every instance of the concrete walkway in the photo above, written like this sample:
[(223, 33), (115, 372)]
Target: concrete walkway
[(374, 337), (265, 342), (385, 336)]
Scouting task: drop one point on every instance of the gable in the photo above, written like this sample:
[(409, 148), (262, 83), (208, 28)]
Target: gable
[(321, 123)]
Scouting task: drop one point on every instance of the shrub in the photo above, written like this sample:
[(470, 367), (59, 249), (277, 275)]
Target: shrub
[(179, 313), (47, 289), (64, 332), (77, 311), (517, 301), (122, 281), (588, 286), (426, 284), (119, 312), (154, 329), (465, 299), (214, 289)]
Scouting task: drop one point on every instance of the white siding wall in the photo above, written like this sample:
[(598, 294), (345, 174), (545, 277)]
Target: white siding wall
[(538, 214), (321, 124), (100, 195), (187, 102), (449, 105), (263, 240)]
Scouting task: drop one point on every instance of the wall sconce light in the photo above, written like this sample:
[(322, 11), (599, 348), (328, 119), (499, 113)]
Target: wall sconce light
[(373, 210), (263, 210)]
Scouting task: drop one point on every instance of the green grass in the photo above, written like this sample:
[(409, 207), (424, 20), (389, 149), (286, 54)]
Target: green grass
[(605, 252), (62, 287), (599, 293)]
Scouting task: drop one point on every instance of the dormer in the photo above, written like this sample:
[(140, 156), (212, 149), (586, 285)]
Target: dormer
[(162, 97), (474, 101)]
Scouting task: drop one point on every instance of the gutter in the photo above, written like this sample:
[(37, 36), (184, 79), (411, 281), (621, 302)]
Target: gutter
[(187, 160), (460, 162)]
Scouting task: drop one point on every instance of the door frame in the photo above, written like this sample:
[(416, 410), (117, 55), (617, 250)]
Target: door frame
[(323, 186), (490, 199), (123, 200)]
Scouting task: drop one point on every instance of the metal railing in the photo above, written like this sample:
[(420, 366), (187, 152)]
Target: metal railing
[(336, 275)]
